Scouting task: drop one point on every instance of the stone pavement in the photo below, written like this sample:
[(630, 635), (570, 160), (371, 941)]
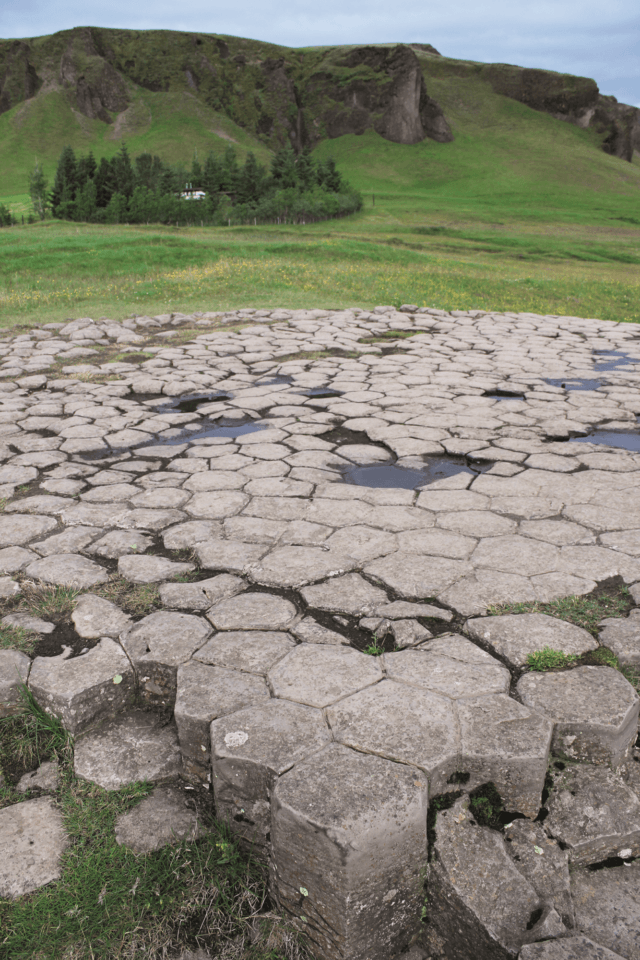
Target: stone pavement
[(299, 487)]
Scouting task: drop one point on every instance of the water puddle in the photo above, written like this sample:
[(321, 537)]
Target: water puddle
[(275, 380), (575, 383), (395, 477), (209, 429), (612, 438), (320, 393), (500, 395), (191, 404), (613, 359)]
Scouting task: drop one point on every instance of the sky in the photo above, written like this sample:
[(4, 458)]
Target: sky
[(584, 37)]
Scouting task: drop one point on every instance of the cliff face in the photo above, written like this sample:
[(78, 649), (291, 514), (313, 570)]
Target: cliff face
[(281, 95), (573, 99)]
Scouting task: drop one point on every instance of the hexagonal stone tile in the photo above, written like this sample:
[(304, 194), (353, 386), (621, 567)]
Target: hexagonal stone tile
[(319, 675), (622, 635), (350, 594), (17, 530), (516, 555), (147, 569), (408, 725), (363, 543), (216, 504), (450, 666), (415, 577), (157, 645), (14, 670), (349, 840), (96, 617), (189, 533), (254, 651), (33, 839), (543, 863), (67, 569), (250, 750), (204, 693), (84, 689), (594, 711), (607, 906), (136, 746), (311, 631), (515, 636), (253, 611), (594, 814), (232, 556), (474, 595), (118, 543), (297, 566), (161, 818), (507, 743)]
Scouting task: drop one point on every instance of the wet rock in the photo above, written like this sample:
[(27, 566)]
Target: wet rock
[(148, 569), (479, 903), (451, 666), (594, 814), (607, 904), (319, 675), (515, 636), (350, 594), (86, 689), (119, 543), (622, 635), (67, 569), (157, 645), (349, 847), (44, 778), (14, 670), (253, 611), (505, 743), (96, 617), (594, 711), (250, 750), (32, 839), (161, 818), (135, 746), (204, 693), (544, 864)]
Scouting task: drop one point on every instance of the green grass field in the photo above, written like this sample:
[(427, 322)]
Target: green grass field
[(520, 213)]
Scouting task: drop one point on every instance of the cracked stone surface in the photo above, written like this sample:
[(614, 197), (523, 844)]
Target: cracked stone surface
[(594, 711), (268, 515), (607, 904), (33, 840), (515, 636), (14, 670)]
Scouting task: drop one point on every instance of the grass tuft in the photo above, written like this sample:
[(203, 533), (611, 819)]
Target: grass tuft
[(585, 612), (549, 659)]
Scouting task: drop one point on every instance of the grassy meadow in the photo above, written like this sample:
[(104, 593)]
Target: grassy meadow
[(520, 212)]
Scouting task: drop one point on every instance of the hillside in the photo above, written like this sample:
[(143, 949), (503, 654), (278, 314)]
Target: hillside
[(175, 93)]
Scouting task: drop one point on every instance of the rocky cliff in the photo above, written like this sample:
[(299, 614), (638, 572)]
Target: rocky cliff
[(279, 95)]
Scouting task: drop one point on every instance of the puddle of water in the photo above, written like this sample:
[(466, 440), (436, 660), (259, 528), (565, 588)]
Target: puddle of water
[(191, 404), (575, 383), (320, 393), (405, 478), (612, 438), (271, 381), (505, 396), (617, 358)]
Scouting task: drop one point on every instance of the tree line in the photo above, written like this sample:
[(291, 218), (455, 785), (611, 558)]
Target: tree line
[(145, 189)]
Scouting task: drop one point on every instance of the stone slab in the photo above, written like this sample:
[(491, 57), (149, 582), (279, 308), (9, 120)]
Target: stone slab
[(33, 839), (161, 818), (515, 636)]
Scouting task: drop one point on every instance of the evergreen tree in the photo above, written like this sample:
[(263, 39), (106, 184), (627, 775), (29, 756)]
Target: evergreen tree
[(85, 202), (105, 181), (144, 172), (85, 169), (38, 189), (65, 177), (283, 168), (305, 171), (250, 181), (196, 174), (123, 170), (230, 171), (211, 175)]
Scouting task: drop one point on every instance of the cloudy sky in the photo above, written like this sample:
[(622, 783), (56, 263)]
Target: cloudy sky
[(585, 37)]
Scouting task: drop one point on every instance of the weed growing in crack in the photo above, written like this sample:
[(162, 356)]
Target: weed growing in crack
[(15, 638), (50, 603), (549, 659), (375, 649), (137, 599), (586, 611)]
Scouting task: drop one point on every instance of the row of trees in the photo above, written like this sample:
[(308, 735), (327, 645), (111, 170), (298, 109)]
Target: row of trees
[(148, 190)]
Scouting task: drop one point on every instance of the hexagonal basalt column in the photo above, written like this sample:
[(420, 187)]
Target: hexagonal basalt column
[(594, 711), (508, 744), (253, 651), (157, 645), (348, 834), (320, 675), (250, 750), (203, 693), (451, 666), (401, 723)]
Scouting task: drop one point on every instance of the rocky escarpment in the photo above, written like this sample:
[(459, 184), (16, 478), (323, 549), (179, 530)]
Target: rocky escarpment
[(574, 99)]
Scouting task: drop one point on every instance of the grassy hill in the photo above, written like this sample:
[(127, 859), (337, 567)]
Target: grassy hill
[(521, 210)]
